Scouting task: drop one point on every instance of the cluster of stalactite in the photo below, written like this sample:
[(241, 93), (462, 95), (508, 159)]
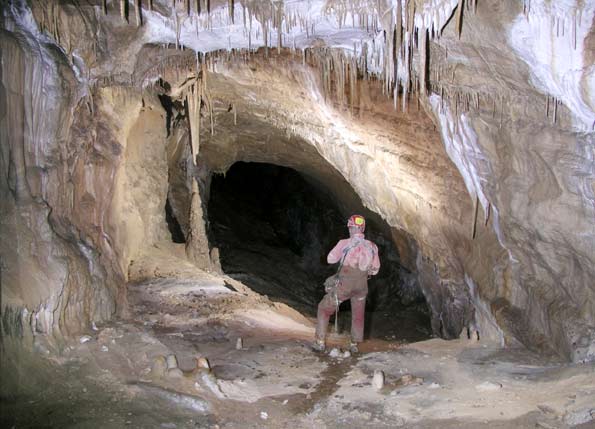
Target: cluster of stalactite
[(196, 94), (397, 54), (390, 61)]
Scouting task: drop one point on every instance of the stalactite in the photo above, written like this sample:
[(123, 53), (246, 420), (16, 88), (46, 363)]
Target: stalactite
[(231, 11), (475, 210), (487, 216), (279, 27), (193, 101), (574, 31), (137, 12), (399, 24), (104, 6), (423, 63), (459, 25), (123, 6), (177, 23), (151, 5)]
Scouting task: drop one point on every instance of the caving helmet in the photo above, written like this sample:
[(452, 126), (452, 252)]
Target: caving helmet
[(357, 221)]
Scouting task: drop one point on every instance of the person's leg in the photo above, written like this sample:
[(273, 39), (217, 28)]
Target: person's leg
[(358, 308), (326, 308)]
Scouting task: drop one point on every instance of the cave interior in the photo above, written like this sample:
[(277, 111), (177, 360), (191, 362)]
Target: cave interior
[(174, 173)]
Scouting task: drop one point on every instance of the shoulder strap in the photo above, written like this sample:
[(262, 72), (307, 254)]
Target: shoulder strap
[(345, 252)]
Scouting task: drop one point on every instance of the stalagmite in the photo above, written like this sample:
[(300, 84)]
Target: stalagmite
[(197, 246), (378, 379)]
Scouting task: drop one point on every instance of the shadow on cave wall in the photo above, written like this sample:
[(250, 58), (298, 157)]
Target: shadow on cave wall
[(274, 229)]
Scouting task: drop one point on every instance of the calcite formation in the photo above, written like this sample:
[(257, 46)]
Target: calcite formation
[(468, 127)]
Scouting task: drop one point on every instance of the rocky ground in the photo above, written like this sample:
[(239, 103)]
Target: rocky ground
[(262, 372)]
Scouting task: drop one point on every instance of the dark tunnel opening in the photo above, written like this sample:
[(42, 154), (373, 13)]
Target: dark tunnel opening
[(274, 229)]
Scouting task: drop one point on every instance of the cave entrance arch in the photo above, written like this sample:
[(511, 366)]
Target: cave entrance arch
[(274, 227)]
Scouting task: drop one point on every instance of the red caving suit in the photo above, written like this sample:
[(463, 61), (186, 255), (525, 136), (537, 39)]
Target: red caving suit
[(360, 262)]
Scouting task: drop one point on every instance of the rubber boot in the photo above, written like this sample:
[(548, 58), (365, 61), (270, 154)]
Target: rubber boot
[(319, 346)]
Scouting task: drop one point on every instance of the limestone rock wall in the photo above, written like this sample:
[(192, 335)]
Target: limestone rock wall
[(526, 150), (83, 185), (53, 275)]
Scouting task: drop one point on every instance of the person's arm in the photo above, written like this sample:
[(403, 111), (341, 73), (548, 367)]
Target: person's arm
[(336, 254), (375, 267)]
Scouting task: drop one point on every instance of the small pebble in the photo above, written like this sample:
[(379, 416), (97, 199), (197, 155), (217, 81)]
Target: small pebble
[(84, 339), (264, 415), (488, 386), (175, 373), (378, 379), (104, 349), (172, 361), (202, 362)]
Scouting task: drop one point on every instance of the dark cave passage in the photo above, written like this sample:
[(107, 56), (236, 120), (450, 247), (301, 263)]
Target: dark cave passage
[(274, 228)]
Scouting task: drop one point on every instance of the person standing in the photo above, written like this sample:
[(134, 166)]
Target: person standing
[(358, 259)]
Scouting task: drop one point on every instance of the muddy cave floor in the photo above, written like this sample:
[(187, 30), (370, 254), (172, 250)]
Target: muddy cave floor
[(275, 380)]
